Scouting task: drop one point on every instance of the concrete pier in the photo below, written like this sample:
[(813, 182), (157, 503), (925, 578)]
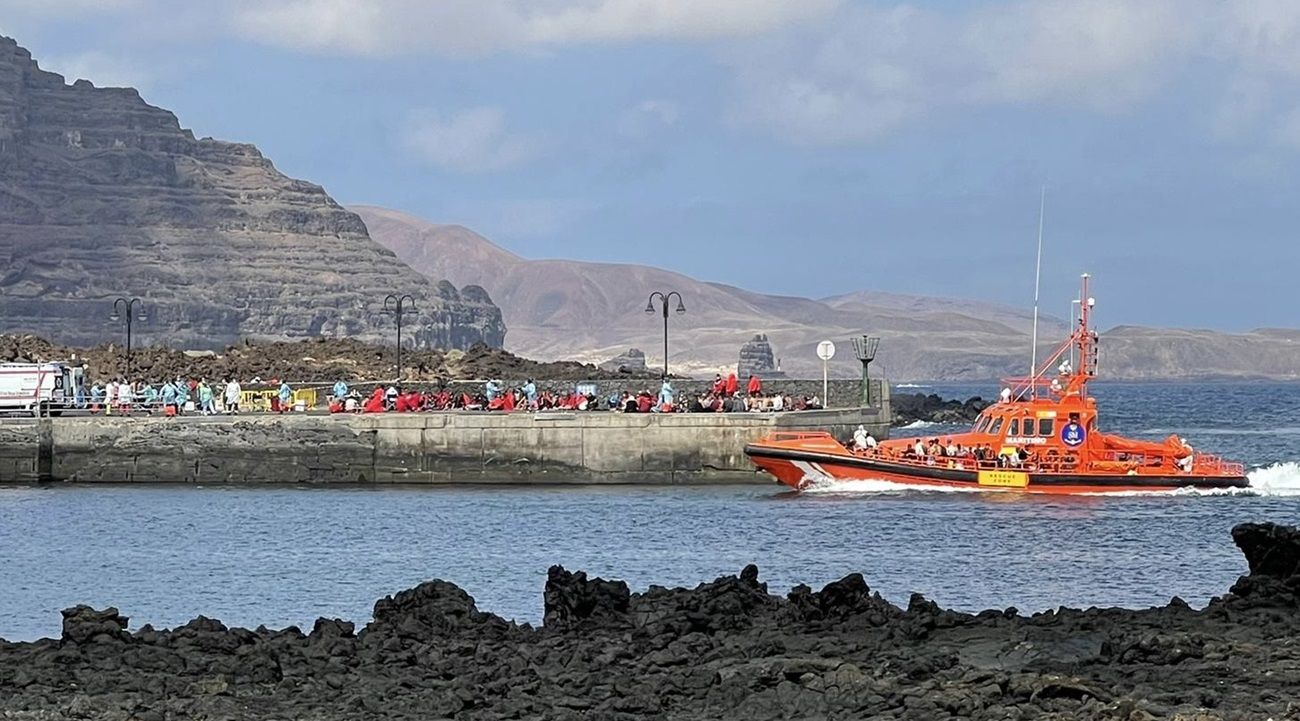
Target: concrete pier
[(455, 447)]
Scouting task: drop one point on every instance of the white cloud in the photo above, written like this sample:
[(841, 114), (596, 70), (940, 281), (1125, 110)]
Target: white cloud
[(1101, 53), (471, 141), (875, 68), (475, 27), (618, 20)]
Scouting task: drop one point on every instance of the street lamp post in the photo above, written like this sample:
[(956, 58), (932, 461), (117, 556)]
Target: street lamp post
[(663, 302), (398, 306), (864, 348), (125, 309)]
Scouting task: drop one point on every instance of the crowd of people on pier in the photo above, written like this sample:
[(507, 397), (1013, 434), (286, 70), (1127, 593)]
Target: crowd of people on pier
[(199, 396), (720, 397), (171, 397)]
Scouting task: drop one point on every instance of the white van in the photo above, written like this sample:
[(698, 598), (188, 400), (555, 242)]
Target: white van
[(39, 388)]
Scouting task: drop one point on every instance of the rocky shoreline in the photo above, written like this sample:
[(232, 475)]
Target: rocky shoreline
[(912, 407), (725, 650)]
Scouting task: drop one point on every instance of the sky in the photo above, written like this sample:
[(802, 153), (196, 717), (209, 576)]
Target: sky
[(805, 147)]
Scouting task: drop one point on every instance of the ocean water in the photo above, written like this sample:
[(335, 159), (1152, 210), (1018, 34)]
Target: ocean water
[(286, 555)]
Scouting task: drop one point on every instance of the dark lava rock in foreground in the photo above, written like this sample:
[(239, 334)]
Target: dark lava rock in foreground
[(724, 650)]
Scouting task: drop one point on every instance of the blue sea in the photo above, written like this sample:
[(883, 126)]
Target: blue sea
[(286, 555)]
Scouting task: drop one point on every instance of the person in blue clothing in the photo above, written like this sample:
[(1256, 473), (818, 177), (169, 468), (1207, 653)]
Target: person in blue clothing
[(492, 389), (149, 397), (168, 395), (665, 394), (286, 396), (182, 395), (530, 392), (340, 391)]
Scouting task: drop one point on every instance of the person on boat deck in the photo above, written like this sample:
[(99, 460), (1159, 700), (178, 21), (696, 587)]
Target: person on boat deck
[(732, 384), (493, 389), (950, 450), (919, 449), (340, 390), (754, 386), (862, 440), (1005, 396), (1065, 367)]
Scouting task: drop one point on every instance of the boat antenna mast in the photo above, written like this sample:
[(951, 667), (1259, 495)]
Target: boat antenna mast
[(1086, 340), (1038, 274)]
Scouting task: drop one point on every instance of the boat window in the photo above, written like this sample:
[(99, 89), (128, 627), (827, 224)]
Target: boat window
[(1045, 426), (1014, 430), (997, 426), (984, 423)]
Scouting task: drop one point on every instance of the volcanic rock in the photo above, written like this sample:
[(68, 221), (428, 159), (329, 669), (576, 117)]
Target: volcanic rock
[(756, 358), (633, 361), (723, 650), (319, 360), (103, 195), (932, 408)]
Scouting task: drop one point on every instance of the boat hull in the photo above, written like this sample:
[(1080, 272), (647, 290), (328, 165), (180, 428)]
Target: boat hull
[(798, 468)]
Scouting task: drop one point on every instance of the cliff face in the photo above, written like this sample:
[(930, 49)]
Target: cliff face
[(103, 195)]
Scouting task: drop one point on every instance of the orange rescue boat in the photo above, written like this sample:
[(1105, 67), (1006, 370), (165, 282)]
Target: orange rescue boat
[(1042, 436)]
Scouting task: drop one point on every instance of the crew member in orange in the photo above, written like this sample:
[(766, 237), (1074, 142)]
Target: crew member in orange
[(732, 385), (754, 387)]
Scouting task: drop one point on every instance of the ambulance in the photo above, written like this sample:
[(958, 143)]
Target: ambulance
[(39, 388)]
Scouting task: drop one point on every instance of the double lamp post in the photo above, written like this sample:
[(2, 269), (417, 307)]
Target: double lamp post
[(664, 299), (125, 309), (399, 305)]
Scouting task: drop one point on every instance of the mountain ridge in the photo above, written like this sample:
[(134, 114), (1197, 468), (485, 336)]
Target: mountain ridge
[(923, 338)]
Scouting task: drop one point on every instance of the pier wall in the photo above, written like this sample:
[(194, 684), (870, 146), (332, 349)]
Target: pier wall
[(458, 447)]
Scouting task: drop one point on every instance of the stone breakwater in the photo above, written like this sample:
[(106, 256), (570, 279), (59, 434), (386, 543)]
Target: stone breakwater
[(728, 649), (452, 447)]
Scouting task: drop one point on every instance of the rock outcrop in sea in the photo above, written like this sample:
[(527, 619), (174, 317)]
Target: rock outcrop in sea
[(913, 407), (103, 195), (728, 649), (757, 358), (633, 361)]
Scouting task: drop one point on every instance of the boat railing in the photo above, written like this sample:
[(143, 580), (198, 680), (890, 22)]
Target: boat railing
[(1024, 389), (798, 436), (1068, 462)]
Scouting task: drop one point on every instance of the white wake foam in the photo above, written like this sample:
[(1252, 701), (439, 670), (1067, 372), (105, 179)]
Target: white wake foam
[(919, 424), (871, 485), (1277, 480)]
